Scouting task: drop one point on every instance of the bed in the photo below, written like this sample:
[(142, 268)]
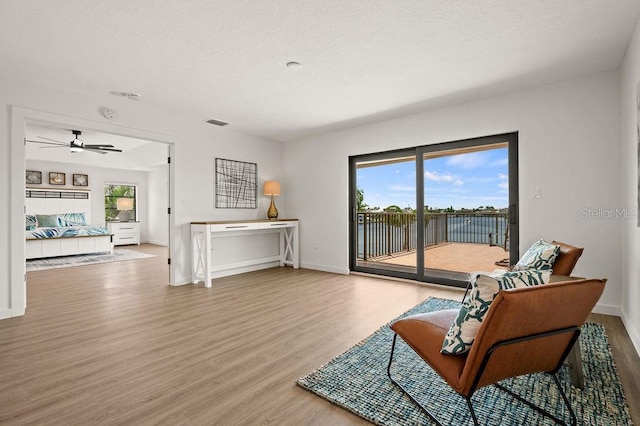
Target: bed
[(57, 223)]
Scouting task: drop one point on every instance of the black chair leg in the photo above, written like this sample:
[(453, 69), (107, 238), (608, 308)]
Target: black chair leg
[(542, 410), (415, 401), (473, 413)]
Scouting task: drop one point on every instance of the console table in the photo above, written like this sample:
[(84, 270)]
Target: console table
[(202, 234)]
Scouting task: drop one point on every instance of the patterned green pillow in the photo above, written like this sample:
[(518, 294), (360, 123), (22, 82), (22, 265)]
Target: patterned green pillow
[(540, 255), (30, 222), (72, 219), (484, 288)]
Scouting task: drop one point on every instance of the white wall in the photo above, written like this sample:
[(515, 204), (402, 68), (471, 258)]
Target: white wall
[(158, 226), (630, 183), (98, 176), (568, 146), (196, 146)]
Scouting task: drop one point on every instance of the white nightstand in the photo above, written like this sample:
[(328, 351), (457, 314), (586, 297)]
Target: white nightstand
[(124, 232)]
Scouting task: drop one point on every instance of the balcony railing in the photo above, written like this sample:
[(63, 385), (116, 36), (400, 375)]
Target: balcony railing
[(388, 234)]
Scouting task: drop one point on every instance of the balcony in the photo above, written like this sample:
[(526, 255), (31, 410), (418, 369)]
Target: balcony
[(463, 242)]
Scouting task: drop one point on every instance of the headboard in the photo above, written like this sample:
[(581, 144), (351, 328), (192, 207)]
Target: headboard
[(53, 201)]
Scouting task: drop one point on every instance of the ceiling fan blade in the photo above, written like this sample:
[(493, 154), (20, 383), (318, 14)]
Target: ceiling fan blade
[(98, 146), (97, 151), (54, 146), (48, 143), (108, 149), (52, 140)]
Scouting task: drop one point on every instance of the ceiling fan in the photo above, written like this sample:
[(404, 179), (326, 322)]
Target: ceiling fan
[(77, 145)]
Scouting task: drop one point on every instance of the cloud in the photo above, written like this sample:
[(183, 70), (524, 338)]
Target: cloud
[(470, 160), (502, 176), (503, 185), (458, 182), (437, 177)]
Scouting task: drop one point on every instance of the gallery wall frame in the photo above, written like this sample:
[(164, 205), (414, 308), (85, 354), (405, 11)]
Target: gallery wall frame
[(57, 178), (33, 177), (80, 179), (236, 184)]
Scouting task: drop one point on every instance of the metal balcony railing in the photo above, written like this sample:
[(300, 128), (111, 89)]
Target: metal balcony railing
[(388, 234)]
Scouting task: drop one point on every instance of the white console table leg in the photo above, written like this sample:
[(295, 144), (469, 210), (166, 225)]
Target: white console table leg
[(289, 246), (201, 255)]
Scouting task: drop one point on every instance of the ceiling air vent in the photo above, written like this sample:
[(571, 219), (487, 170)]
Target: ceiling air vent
[(217, 122)]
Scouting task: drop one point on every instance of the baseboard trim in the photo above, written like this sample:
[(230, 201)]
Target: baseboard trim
[(632, 331), (601, 308), (325, 268), (6, 313)]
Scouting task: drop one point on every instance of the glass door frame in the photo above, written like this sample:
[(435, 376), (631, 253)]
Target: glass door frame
[(511, 139)]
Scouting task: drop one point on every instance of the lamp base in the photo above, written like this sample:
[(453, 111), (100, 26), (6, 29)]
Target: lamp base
[(272, 213)]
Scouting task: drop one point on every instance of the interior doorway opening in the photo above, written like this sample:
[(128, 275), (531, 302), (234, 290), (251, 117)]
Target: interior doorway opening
[(21, 119)]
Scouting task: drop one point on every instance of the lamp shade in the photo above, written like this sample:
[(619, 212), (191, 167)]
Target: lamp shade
[(272, 187), (124, 204)]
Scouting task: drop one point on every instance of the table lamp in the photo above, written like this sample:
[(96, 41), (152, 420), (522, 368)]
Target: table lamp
[(125, 204), (272, 187)]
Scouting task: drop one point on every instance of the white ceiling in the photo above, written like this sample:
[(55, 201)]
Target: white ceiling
[(137, 154), (362, 60)]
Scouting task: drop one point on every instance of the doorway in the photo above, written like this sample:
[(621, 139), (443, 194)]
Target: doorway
[(21, 117), (435, 213)]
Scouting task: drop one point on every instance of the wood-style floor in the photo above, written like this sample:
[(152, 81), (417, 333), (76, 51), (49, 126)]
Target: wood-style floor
[(114, 344)]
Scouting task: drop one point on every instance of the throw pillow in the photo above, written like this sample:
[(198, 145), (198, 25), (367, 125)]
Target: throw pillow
[(30, 222), (540, 255), (72, 219), (484, 288), (47, 220)]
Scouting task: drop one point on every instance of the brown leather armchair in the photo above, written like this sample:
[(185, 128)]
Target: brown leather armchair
[(567, 259), (505, 346)]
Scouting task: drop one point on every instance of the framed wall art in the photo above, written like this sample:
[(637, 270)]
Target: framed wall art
[(56, 178), (80, 180), (33, 177), (236, 184)]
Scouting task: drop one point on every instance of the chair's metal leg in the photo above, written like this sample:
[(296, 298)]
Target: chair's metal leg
[(542, 410), (415, 401), (574, 421), (473, 413), (393, 347), (574, 359)]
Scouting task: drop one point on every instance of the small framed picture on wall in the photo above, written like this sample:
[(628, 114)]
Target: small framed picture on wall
[(56, 178), (80, 180), (33, 177)]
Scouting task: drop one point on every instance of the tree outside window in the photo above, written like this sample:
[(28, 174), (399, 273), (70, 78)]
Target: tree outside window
[(120, 203)]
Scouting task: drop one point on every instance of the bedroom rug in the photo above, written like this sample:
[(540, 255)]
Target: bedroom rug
[(119, 254), (357, 381)]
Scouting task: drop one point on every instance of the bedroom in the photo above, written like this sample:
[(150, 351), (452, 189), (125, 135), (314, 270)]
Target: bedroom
[(60, 180)]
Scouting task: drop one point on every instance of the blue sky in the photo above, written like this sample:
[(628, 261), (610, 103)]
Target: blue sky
[(463, 181)]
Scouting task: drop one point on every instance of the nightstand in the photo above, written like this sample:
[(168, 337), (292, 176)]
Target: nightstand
[(124, 232)]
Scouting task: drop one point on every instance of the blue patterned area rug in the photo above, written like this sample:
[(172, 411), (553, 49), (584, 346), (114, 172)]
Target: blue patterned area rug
[(119, 254), (357, 381)]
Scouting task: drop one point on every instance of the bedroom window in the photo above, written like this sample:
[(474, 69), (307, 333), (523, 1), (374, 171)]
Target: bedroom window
[(120, 203)]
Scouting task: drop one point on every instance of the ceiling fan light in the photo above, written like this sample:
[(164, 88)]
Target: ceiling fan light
[(75, 148)]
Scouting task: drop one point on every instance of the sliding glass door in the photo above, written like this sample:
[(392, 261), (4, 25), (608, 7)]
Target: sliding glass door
[(384, 213), (437, 212)]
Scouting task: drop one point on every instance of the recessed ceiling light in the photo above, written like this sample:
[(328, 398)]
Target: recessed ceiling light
[(128, 95), (296, 66)]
